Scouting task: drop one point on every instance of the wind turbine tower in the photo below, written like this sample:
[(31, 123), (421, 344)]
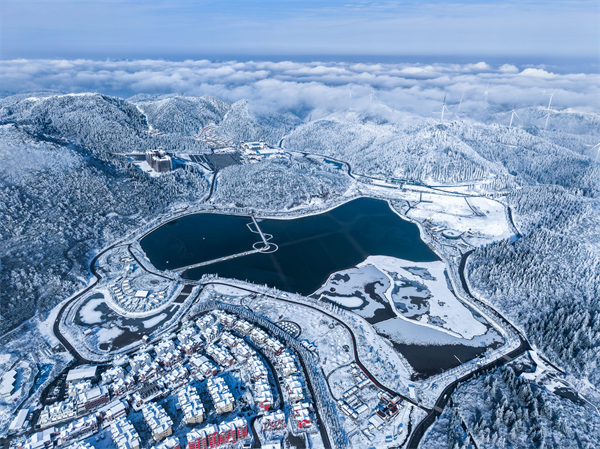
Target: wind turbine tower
[(597, 151), (512, 115), (485, 95), (549, 111), (444, 108), (372, 95), (460, 102), (350, 91)]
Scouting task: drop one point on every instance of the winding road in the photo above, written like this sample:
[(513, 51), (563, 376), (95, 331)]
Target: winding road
[(432, 414), (419, 432)]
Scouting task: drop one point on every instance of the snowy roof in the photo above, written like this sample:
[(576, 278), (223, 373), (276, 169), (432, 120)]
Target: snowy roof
[(85, 372), (141, 293), (19, 420)]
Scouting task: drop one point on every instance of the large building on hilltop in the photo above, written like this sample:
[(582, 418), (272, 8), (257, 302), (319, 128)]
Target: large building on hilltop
[(159, 160)]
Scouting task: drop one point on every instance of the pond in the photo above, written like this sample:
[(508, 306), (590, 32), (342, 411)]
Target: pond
[(114, 331), (309, 248)]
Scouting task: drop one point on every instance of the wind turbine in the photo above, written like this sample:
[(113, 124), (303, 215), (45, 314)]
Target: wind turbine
[(372, 95), (597, 151), (512, 115), (548, 109), (485, 95), (460, 102), (551, 97), (444, 108), (350, 91)]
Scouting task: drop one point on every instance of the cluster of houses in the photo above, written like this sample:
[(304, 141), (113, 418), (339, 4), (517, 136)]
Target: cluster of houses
[(257, 151), (124, 434), (273, 421), (221, 396), (191, 406), (213, 436), (263, 397), (138, 300), (95, 402), (83, 398), (159, 423)]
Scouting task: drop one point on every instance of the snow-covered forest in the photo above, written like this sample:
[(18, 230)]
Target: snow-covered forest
[(502, 410), (548, 281), (279, 184), (59, 205)]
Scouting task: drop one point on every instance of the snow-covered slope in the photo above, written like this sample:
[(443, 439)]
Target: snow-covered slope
[(96, 121), (394, 144), (182, 115), (407, 146), (241, 124)]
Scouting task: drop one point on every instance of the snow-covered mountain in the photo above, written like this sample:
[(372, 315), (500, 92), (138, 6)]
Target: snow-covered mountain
[(403, 145), (63, 193), (181, 115)]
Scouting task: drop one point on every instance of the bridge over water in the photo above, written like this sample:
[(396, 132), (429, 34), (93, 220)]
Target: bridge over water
[(266, 249)]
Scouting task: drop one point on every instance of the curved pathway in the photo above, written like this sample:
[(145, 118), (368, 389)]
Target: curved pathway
[(354, 344), (56, 326), (415, 438)]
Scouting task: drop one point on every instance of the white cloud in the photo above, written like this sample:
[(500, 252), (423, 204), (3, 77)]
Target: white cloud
[(321, 86)]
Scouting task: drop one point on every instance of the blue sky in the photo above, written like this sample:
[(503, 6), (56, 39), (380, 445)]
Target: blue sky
[(440, 30)]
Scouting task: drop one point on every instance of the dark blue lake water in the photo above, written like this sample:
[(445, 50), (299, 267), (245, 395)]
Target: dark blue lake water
[(310, 248)]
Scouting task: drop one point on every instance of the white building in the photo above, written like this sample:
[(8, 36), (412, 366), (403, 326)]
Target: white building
[(19, 422), (160, 424), (113, 411), (205, 322), (81, 374), (259, 337), (169, 443), (203, 365), (113, 374), (191, 406), (7, 385), (76, 430), (124, 434), (59, 411), (220, 355), (164, 347), (220, 395), (139, 361)]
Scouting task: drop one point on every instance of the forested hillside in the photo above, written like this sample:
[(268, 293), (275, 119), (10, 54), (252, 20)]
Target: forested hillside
[(548, 281), (58, 206), (279, 185), (502, 411)]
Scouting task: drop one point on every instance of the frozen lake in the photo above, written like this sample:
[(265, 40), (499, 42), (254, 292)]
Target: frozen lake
[(310, 248)]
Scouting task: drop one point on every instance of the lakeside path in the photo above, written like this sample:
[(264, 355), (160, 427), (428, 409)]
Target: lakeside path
[(432, 414)]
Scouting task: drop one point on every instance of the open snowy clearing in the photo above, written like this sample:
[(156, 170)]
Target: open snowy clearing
[(444, 309), (454, 213), (89, 314), (154, 321)]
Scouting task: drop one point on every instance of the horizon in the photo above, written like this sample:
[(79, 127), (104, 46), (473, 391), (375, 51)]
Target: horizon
[(182, 30)]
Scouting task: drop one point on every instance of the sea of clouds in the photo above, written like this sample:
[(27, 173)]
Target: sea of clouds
[(317, 88)]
